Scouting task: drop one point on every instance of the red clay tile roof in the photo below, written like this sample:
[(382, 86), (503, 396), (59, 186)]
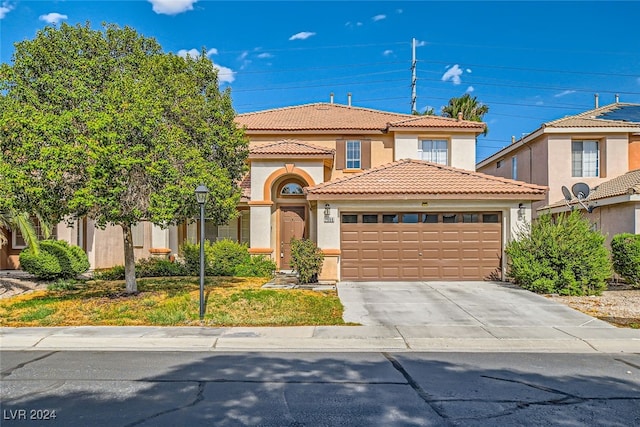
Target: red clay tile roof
[(337, 117), (629, 183), (289, 148), (409, 178), (245, 186)]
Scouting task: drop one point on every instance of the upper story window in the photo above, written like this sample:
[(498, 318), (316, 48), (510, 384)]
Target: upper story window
[(353, 154), (585, 158), (433, 150), (514, 167)]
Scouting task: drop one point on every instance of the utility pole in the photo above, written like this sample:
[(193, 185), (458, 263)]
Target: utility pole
[(413, 77)]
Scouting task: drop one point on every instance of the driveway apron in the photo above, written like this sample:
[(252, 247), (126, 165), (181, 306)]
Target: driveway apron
[(484, 304)]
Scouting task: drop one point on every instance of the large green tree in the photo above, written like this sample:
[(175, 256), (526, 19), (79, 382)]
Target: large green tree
[(104, 124), (470, 107)]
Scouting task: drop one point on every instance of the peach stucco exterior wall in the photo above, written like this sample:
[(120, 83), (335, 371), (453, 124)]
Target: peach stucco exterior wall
[(634, 152), (381, 148), (462, 148), (616, 219), (613, 161)]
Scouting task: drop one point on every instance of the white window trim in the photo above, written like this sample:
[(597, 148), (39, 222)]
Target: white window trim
[(582, 174), (433, 140), (347, 159)]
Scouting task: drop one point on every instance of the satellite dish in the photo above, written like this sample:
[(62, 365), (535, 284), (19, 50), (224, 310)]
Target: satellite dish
[(580, 190), (567, 193)]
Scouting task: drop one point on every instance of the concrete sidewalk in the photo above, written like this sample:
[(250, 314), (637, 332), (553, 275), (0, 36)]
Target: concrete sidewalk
[(325, 338)]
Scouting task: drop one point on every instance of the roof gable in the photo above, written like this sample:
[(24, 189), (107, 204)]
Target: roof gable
[(408, 177), (289, 147)]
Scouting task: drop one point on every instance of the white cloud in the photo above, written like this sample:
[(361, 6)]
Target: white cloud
[(243, 55), (172, 7), (468, 70), (194, 53), (379, 17), (470, 89), (351, 24), (302, 35), (453, 74), (5, 8), (387, 52), (564, 93), (399, 11), (420, 43), (265, 55), (53, 18), (225, 75)]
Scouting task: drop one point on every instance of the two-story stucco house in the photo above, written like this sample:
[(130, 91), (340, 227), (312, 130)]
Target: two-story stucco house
[(599, 147), (385, 196)]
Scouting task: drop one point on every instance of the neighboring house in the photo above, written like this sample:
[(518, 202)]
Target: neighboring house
[(385, 196), (614, 205), (590, 147)]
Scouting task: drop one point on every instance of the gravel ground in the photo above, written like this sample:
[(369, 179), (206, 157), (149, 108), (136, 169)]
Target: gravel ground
[(620, 305)]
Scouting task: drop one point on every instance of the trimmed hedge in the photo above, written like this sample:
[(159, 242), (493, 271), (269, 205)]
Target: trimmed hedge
[(56, 260), (625, 251)]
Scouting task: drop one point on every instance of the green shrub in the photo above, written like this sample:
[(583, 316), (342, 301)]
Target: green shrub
[(256, 266), (306, 260), (113, 273), (563, 256), (625, 251), (225, 258), (56, 259), (159, 267)]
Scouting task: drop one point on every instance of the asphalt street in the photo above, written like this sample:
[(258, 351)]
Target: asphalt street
[(78, 388)]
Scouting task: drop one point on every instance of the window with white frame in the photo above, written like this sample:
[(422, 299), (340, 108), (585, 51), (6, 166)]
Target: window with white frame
[(353, 155), (514, 167), (433, 150), (584, 158)]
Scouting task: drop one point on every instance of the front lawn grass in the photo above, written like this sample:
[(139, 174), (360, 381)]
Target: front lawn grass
[(173, 302)]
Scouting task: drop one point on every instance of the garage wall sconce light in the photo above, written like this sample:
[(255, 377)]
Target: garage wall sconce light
[(327, 209), (521, 212)]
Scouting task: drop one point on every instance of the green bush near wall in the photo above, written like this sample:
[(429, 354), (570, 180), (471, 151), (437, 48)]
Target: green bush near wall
[(625, 251), (560, 255), (56, 260), (306, 260)]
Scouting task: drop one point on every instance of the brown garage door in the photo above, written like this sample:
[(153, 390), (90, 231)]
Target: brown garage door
[(420, 246)]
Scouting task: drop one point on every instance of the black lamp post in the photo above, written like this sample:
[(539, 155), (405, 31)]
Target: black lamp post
[(201, 197)]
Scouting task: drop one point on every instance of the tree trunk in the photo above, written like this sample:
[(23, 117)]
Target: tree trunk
[(129, 260)]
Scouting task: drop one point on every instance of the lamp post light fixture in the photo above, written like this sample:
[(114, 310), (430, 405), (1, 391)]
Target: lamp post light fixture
[(201, 197)]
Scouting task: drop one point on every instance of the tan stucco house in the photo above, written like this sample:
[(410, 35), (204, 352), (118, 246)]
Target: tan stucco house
[(599, 147), (385, 196)]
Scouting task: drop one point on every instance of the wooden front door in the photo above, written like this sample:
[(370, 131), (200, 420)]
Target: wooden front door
[(291, 225)]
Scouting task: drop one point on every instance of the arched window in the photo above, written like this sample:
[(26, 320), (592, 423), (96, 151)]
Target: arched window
[(291, 189)]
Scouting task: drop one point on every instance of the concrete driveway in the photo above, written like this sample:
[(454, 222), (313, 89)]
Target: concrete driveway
[(484, 304)]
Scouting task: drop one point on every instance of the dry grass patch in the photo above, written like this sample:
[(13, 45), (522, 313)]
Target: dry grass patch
[(175, 302)]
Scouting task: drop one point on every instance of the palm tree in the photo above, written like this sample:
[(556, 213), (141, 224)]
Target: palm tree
[(470, 108), (12, 220)]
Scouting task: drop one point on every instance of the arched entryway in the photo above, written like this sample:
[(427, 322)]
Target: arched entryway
[(292, 216)]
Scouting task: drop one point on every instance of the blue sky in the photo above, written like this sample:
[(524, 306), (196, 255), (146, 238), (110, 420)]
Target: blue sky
[(530, 62)]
